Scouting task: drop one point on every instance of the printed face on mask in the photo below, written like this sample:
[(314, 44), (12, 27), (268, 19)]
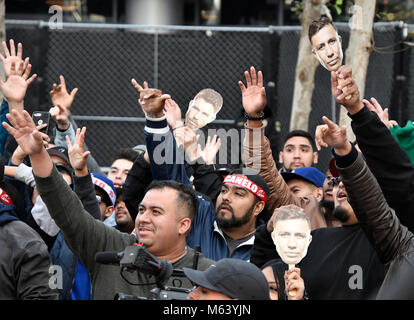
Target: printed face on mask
[(199, 114), (203, 109), (292, 238), (327, 47)]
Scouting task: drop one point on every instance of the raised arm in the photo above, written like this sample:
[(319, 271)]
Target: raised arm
[(386, 159), (165, 161), (9, 58), (65, 125), (82, 181), (258, 155), (379, 222), (83, 234)]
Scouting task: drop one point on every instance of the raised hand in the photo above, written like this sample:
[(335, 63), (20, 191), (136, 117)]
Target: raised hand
[(60, 96), (19, 155), (330, 134), (382, 113), (23, 129), (173, 113), (210, 150), (254, 96), (188, 138), (10, 57), (77, 155), (61, 116), (294, 282), (14, 89), (345, 90), (151, 100)]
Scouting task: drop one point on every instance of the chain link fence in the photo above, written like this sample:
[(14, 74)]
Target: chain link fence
[(102, 59)]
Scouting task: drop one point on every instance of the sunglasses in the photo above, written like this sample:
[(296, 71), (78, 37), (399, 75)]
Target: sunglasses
[(335, 181)]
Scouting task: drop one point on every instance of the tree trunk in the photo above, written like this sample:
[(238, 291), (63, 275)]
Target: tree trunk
[(305, 67), (359, 50)]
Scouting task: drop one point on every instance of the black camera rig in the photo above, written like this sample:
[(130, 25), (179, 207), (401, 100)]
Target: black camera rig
[(137, 258)]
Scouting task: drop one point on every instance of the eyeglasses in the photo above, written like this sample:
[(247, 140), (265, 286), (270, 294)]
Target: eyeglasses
[(99, 198), (335, 181)]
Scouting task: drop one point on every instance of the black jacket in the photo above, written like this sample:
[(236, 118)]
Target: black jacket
[(136, 182), (24, 262), (393, 242), (333, 258), (328, 267), (388, 162)]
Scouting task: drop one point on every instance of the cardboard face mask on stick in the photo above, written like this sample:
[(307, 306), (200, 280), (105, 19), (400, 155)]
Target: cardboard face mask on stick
[(203, 108), (291, 236), (327, 47)]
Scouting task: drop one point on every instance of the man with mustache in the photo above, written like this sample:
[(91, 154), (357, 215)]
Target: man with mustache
[(226, 231), (162, 224), (124, 221), (392, 241)]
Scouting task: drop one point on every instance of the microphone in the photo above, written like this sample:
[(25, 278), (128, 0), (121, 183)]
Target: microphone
[(109, 257)]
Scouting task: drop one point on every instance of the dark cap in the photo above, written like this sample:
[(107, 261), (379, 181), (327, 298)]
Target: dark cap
[(60, 152), (62, 168), (309, 174), (237, 279)]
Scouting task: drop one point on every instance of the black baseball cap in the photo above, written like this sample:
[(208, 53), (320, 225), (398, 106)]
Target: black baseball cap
[(60, 152), (236, 278)]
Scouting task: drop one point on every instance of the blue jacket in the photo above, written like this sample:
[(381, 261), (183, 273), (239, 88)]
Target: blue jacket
[(4, 109), (63, 257), (168, 164)]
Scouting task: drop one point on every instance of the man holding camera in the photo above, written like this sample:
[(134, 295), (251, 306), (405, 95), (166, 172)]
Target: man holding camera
[(168, 206)]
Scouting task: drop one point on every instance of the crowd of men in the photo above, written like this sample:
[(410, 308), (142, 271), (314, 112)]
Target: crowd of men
[(268, 230)]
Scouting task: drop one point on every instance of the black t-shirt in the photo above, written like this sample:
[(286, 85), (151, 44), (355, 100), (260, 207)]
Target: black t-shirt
[(340, 263)]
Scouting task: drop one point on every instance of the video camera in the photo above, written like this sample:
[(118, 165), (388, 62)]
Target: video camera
[(137, 258)]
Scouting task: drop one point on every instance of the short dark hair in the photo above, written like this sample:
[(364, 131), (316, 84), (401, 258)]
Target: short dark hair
[(187, 197), (125, 153), (300, 133), (317, 25)]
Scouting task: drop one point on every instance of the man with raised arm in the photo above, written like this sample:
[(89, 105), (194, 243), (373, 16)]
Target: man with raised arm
[(221, 232), (386, 159), (258, 155), (165, 216), (393, 242)]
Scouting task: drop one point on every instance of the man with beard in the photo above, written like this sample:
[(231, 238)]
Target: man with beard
[(257, 153), (124, 221), (308, 182), (237, 208), (228, 231)]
